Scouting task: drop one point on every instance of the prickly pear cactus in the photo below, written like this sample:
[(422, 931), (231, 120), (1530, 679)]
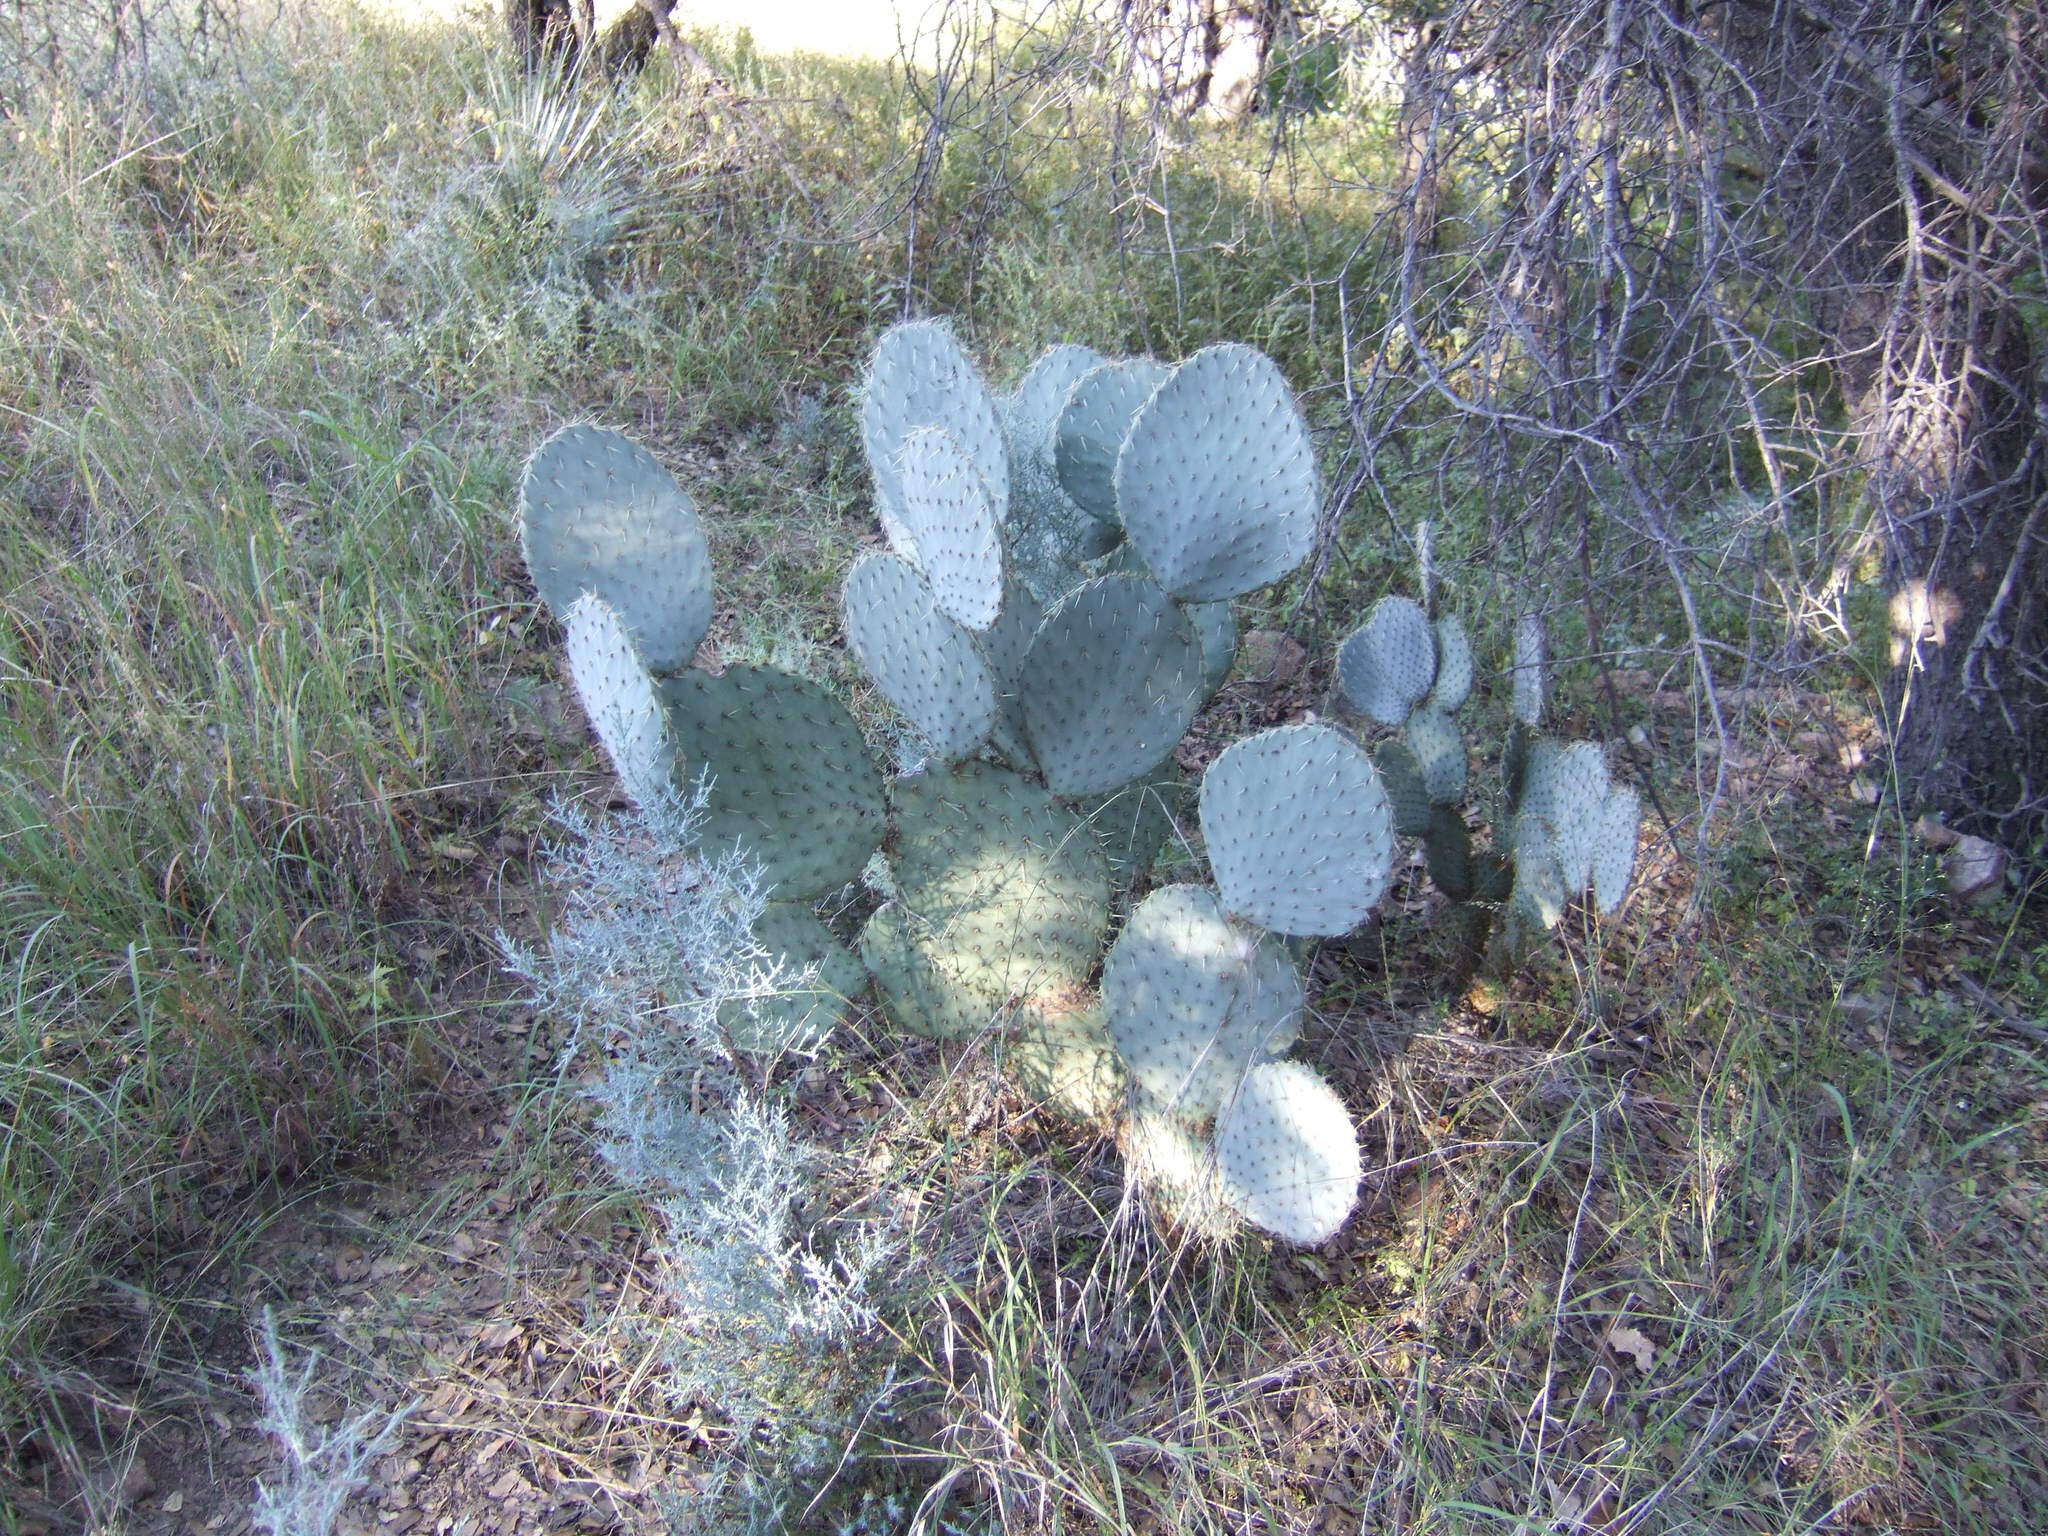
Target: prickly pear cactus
[(1288, 1153), (924, 663), (619, 698)]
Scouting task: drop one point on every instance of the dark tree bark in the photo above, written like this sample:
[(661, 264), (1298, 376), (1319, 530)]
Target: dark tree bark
[(1204, 55), (561, 36)]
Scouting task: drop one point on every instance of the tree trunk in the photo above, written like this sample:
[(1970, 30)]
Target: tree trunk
[(1203, 55)]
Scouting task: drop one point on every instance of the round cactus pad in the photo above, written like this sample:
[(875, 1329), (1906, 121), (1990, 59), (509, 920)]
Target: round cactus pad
[(1062, 1055), (1195, 999), (1567, 788), (931, 985), (1288, 1153), (818, 976), (791, 778), (598, 513), (619, 697), (1300, 835), (1216, 484), (920, 377), (924, 663), (1387, 664), (949, 521), (1092, 426), (1111, 683)]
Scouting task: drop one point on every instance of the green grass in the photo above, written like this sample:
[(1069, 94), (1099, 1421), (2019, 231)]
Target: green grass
[(275, 737)]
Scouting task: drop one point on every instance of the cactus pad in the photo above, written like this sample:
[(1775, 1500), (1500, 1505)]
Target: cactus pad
[(920, 377), (1111, 683), (1401, 781), (797, 1019), (1195, 999), (620, 699), (949, 521), (933, 982), (791, 777), (1388, 663), (1216, 484), (1566, 788), (1134, 822), (1439, 749), (1532, 669), (1062, 1054), (1614, 847), (924, 663), (1092, 426), (1453, 665), (1299, 832), (598, 513), (1288, 1153), (1216, 627)]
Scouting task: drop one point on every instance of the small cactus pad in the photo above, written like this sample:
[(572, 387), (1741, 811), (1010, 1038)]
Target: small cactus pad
[(620, 699), (1614, 847), (1216, 484), (1111, 683), (818, 973), (1567, 787), (1540, 892), (1062, 1055), (1388, 663), (982, 840), (1177, 1168), (924, 663), (1300, 835), (1453, 665), (791, 779), (1432, 735), (598, 513), (1133, 823), (1049, 535), (1031, 415), (1093, 423), (931, 985), (1195, 999), (949, 519), (1216, 627), (1532, 669), (1401, 781), (919, 377), (1288, 1153)]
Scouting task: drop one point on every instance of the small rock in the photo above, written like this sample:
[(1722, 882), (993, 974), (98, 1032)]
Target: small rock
[(1975, 867), (1270, 657), (138, 1482), (1638, 737), (1865, 791), (1930, 831)]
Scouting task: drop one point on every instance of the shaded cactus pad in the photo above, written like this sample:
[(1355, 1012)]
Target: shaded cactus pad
[(620, 700), (791, 778), (1111, 683), (1061, 1052), (796, 1017), (1288, 1153), (1388, 664), (598, 514), (1300, 835), (1195, 999), (1216, 484), (1092, 425)]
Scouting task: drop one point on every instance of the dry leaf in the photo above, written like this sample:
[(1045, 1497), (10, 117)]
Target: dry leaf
[(1631, 1341)]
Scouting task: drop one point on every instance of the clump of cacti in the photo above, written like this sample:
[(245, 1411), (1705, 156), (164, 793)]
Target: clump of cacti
[(1051, 612)]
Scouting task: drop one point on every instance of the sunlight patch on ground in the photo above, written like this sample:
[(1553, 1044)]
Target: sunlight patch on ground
[(842, 28)]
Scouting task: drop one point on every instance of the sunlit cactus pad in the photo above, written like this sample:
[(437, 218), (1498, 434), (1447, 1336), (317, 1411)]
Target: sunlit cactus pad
[(924, 663), (1111, 683), (1216, 484), (1062, 1055), (598, 513), (948, 518), (1300, 836), (1092, 426), (920, 377), (935, 980), (818, 975), (791, 779), (1566, 789), (1614, 847), (1388, 664), (620, 700), (1196, 999), (1287, 1153)]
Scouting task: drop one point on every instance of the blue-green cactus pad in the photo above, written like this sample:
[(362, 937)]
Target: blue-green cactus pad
[(791, 777), (1387, 664), (1439, 748), (1133, 822), (821, 976), (948, 519), (1216, 484), (1093, 423), (1288, 1153), (1613, 838), (1196, 999), (1061, 1054), (1300, 836), (1402, 783), (1111, 683), (1216, 627), (598, 514), (1453, 665), (1050, 535), (920, 377), (620, 700), (1566, 787), (925, 664)]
